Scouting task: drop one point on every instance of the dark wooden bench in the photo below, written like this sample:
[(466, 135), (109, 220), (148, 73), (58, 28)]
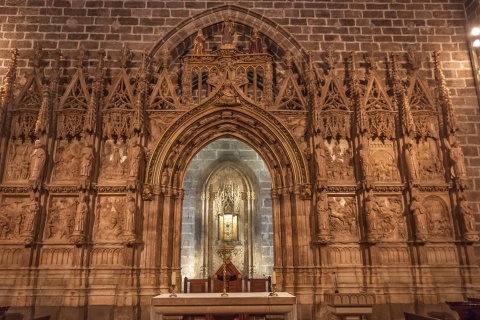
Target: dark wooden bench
[(42, 318), (467, 310), (413, 316)]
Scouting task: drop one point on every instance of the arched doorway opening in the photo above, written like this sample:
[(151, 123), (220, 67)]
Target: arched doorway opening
[(227, 199)]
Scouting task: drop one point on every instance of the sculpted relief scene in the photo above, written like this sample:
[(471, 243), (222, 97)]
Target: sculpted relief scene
[(364, 164)]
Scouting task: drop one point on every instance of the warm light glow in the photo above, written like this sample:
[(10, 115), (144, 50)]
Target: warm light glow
[(475, 31), (174, 278), (274, 277), (476, 43)]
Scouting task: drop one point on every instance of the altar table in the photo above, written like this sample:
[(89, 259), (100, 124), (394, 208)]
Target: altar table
[(236, 303)]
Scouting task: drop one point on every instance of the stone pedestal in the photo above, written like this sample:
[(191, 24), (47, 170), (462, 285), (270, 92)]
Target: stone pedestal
[(349, 306)]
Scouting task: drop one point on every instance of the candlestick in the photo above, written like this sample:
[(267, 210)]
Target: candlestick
[(174, 278), (274, 284)]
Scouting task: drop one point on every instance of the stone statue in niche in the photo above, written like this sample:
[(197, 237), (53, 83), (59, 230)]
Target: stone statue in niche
[(37, 162), (11, 216), (343, 219), (411, 159), (130, 211), (457, 157), (431, 167), (321, 159), (135, 153), (67, 161), (385, 168), (31, 209), (18, 161), (165, 176), (466, 211), (437, 217), (60, 219), (323, 217), (86, 159), (364, 153), (80, 214), (339, 160), (255, 45), (199, 43), (372, 211), (420, 217), (113, 161), (108, 220)]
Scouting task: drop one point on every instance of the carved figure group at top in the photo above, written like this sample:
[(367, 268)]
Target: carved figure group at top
[(114, 164), (343, 219), (199, 43), (255, 45), (228, 31)]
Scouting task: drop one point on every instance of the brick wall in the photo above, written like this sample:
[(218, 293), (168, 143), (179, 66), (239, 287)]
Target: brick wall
[(347, 24)]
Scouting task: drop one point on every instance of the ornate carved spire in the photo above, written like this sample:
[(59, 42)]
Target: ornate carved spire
[(400, 98), (90, 124), (6, 91), (444, 97), (329, 59), (142, 87), (81, 57), (355, 93), (125, 57)]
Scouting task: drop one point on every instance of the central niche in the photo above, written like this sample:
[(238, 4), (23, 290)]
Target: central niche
[(227, 202)]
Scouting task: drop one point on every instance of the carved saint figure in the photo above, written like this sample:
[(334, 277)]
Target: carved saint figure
[(364, 153), (419, 214), (372, 211), (467, 214), (31, 211), (256, 45), (80, 214), (227, 31), (86, 160), (130, 215), (37, 161), (199, 43), (323, 217), (411, 159), (134, 156), (321, 161), (458, 159)]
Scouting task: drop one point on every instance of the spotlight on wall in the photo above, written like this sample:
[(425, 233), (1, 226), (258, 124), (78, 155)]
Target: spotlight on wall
[(474, 48)]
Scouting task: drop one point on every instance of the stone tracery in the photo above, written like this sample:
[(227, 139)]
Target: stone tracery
[(343, 140)]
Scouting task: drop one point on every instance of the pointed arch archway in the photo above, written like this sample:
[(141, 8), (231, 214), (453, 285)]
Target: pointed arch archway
[(259, 129)]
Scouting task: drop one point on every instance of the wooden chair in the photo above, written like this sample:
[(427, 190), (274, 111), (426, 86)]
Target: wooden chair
[(197, 285), (258, 285)]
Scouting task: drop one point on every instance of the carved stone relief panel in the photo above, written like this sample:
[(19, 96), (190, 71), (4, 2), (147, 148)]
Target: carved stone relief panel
[(67, 162), (13, 220), (430, 165), (385, 218), (339, 160), (113, 163), (109, 218), (17, 167), (60, 219), (343, 218), (384, 161), (438, 217)]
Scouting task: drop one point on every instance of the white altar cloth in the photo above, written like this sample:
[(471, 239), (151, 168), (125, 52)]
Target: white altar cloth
[(234, 303)]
